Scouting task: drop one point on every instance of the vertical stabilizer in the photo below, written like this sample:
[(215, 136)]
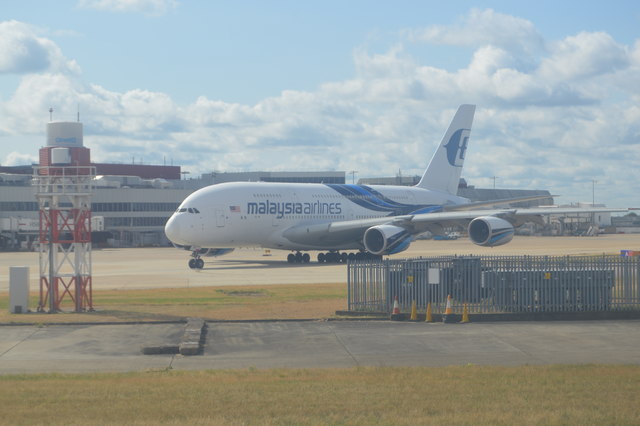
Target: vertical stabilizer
[(445, 168)]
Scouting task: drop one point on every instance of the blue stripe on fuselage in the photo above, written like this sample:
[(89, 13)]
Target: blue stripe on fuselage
[(371, 199)]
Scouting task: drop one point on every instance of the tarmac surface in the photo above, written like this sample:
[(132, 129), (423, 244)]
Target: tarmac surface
[(166, 267), (308, 344), (318, 344)]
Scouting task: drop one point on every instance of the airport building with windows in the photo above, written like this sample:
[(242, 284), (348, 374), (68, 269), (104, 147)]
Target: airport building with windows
[(132, 202), (130, 205)]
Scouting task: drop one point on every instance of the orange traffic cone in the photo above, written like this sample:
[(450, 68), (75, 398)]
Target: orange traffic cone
[(448, 312), (395, 314), (429, 317), (414, 311)]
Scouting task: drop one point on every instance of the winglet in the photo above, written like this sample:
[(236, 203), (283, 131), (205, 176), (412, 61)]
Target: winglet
[(445, 168)]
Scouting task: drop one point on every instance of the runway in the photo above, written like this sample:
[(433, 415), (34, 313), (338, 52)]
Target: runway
[(140, 268), (318, 344)]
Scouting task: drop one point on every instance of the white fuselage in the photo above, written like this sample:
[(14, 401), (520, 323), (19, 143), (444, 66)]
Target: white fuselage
[(244, 214)]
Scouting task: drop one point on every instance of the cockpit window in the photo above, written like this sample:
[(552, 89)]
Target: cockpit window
[(188, 209)]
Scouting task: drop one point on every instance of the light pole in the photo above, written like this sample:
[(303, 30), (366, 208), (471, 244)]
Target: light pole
[(353, 176), (494, 181)]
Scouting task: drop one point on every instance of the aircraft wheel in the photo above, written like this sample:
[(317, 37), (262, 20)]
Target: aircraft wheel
[(343, 257), (321, 258), (306, 258), (199, 263), (351, 257), (291, 258), (192, 263)]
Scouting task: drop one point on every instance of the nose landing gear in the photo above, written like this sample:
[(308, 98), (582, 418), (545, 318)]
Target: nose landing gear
[(196, 261)]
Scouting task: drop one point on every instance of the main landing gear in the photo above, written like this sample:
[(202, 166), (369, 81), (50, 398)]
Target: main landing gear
[(298, 258), (196, 261), (337, 257)]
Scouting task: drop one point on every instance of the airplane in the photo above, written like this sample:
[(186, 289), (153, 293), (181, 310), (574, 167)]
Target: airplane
[(374, 220)]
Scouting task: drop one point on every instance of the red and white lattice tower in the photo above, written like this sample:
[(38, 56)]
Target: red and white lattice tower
[(64, 186)]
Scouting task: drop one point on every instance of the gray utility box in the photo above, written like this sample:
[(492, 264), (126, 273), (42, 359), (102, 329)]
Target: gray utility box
[(18, 289)]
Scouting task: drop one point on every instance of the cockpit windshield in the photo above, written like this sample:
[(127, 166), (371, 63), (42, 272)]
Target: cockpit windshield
[(188, 210)]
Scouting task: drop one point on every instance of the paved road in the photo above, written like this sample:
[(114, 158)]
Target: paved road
[(91, 348)]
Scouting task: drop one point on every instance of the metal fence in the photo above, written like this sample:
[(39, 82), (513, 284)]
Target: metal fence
[(497, 283)]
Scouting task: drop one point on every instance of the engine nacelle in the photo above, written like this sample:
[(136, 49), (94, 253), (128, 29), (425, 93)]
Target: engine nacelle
[(386, 239), (490, 231)]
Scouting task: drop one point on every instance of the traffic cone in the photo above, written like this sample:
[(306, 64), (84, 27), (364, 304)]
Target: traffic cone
[(429, 317), (465, 314), (448, 312), (395, 314), (414, 311)]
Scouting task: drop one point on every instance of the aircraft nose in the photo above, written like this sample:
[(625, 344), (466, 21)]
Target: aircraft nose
[(172, 230)]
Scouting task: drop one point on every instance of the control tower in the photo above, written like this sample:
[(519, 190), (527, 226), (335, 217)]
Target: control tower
[(64, 186)]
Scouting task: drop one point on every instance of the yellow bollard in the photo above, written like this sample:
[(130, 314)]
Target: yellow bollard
[(429, 317), (414, 312), (465, 314)]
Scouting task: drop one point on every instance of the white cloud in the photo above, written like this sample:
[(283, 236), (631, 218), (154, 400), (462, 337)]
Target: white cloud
[(146, 7), (485, 27), (568, 117), (19, 159), (23, 51), (583, 55)]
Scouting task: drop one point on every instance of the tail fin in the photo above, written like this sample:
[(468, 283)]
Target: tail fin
[(443, 172)]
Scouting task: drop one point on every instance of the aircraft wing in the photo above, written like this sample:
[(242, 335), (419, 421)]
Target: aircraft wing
[(495, 203), (354, 230), (516, 217)]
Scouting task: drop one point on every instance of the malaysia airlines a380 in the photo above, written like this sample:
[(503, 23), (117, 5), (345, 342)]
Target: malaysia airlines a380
[(373, 220)]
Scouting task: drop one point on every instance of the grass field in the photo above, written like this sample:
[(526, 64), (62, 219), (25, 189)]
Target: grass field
[(587, 394), (558, 394), (230, 303)]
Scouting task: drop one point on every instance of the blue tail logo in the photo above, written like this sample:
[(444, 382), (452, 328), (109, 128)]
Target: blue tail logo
[(457, 147)]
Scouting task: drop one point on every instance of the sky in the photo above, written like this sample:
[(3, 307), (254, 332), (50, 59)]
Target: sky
[(355, 86)]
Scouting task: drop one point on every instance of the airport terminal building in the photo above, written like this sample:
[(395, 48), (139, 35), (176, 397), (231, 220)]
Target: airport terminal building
[(132, 202), (130, 205)]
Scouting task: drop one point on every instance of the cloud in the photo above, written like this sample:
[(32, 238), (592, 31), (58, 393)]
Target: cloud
[(484, 27), (146, 7), (583, 55), (23, 51), (555, 119), (19, 159)]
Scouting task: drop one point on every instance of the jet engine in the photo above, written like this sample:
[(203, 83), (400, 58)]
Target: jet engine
[(386, 239), (490, 231)]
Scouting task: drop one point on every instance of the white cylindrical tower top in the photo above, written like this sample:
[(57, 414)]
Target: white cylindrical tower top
[(64, 134)]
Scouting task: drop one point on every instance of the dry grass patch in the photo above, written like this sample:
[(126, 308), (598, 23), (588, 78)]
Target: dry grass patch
[(588, 394), (219, 303)]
